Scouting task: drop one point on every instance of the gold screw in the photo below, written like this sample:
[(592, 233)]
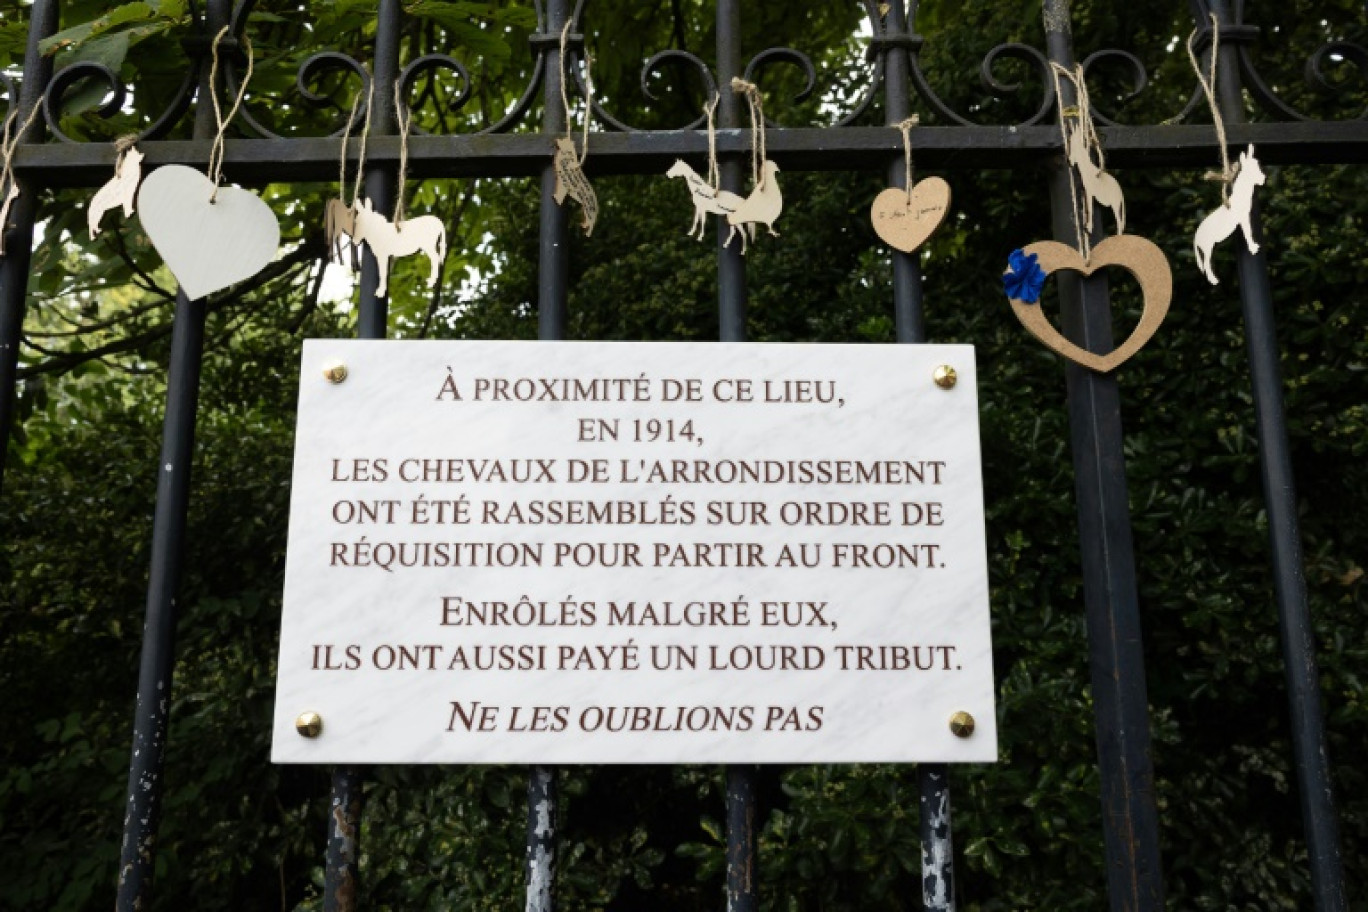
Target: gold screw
[(309, 724), (336, 372), (945, 377), (962, 724)]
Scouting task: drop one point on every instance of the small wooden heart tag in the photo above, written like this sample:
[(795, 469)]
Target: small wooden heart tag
[(905, 223), (1138, 256), (207, 246)]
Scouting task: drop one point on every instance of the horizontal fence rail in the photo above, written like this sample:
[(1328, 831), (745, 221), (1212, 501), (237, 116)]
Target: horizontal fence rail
[(260, 161)]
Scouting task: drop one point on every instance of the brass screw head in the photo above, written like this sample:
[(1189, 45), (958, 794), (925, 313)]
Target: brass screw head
[(309, 724), (336, 373), (962, 724), (945, 377)]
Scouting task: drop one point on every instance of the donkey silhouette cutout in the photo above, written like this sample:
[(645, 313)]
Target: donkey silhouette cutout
[(1234, 213), (1098, 185), (387, 240)]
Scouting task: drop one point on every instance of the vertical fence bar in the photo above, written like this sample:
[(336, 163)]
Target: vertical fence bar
[(146, 783), (933, 783), (1130, 817), (341, 881), (907, 277), (342, 872), (742, 849), (731, 266), (553, 294), (553, 276), (1315, 790), (540, 853), (14, 265), (740, 781)]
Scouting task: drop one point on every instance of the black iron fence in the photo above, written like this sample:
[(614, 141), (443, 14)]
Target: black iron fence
[(46, 157)]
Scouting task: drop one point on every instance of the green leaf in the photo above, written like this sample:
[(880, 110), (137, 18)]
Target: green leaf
[(77, 36)]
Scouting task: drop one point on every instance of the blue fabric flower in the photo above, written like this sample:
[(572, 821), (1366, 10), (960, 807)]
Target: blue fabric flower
[(1024, 278)]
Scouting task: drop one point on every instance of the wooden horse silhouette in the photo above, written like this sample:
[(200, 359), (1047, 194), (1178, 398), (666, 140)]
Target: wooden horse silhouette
[(706, 199), (762, 207), (387, 240), (121, 190), (1098, 185), (339, 221), (1234, 213)]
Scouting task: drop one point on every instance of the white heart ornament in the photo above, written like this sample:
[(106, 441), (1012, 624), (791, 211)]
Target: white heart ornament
[(207, 246), (904, 220)]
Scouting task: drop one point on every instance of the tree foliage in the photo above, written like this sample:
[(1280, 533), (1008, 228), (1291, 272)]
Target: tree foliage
[(239, 833)]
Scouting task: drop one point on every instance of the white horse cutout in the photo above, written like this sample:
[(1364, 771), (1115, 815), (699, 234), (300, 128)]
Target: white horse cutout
[(706, 199), (386, 240), (121, 190), (1098, 185), (1234, 213)]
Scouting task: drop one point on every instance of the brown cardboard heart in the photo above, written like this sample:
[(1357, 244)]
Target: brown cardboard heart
[(1138, 256), (905, 223), (207, 246)]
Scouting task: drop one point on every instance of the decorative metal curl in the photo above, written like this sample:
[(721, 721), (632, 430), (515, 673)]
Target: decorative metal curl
[(308, 73), (431, 63), (999, 89), (515, 114), (574, 56), (1139, 79), (1026, 54), (61, 84), (876, 78), (312, 68), (238, 21), (693, 60), (1349, 52), (708, 78), (332, 61), (1237, 37), (774, 55), (70, 76)]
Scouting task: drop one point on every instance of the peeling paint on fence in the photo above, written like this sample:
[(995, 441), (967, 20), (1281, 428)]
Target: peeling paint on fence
[(541, 839)]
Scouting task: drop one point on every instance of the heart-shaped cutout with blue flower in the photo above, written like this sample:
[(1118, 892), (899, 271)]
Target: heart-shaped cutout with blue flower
[(1031, 265)]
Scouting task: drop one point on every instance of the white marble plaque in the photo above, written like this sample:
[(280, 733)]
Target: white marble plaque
[(599, 552)]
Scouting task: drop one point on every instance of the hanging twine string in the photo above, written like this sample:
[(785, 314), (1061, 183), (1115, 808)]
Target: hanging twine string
[(342, 157), (905, 128), (404, 118), (1083, 112), (365, 134), (714, 174), (1208, 82), (757, 117), (121, 147), (9, 143), (588, 93), (216, 150), (346, 138)]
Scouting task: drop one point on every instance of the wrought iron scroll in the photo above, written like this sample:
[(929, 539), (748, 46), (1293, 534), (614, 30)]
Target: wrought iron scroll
[(1238, 37)]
